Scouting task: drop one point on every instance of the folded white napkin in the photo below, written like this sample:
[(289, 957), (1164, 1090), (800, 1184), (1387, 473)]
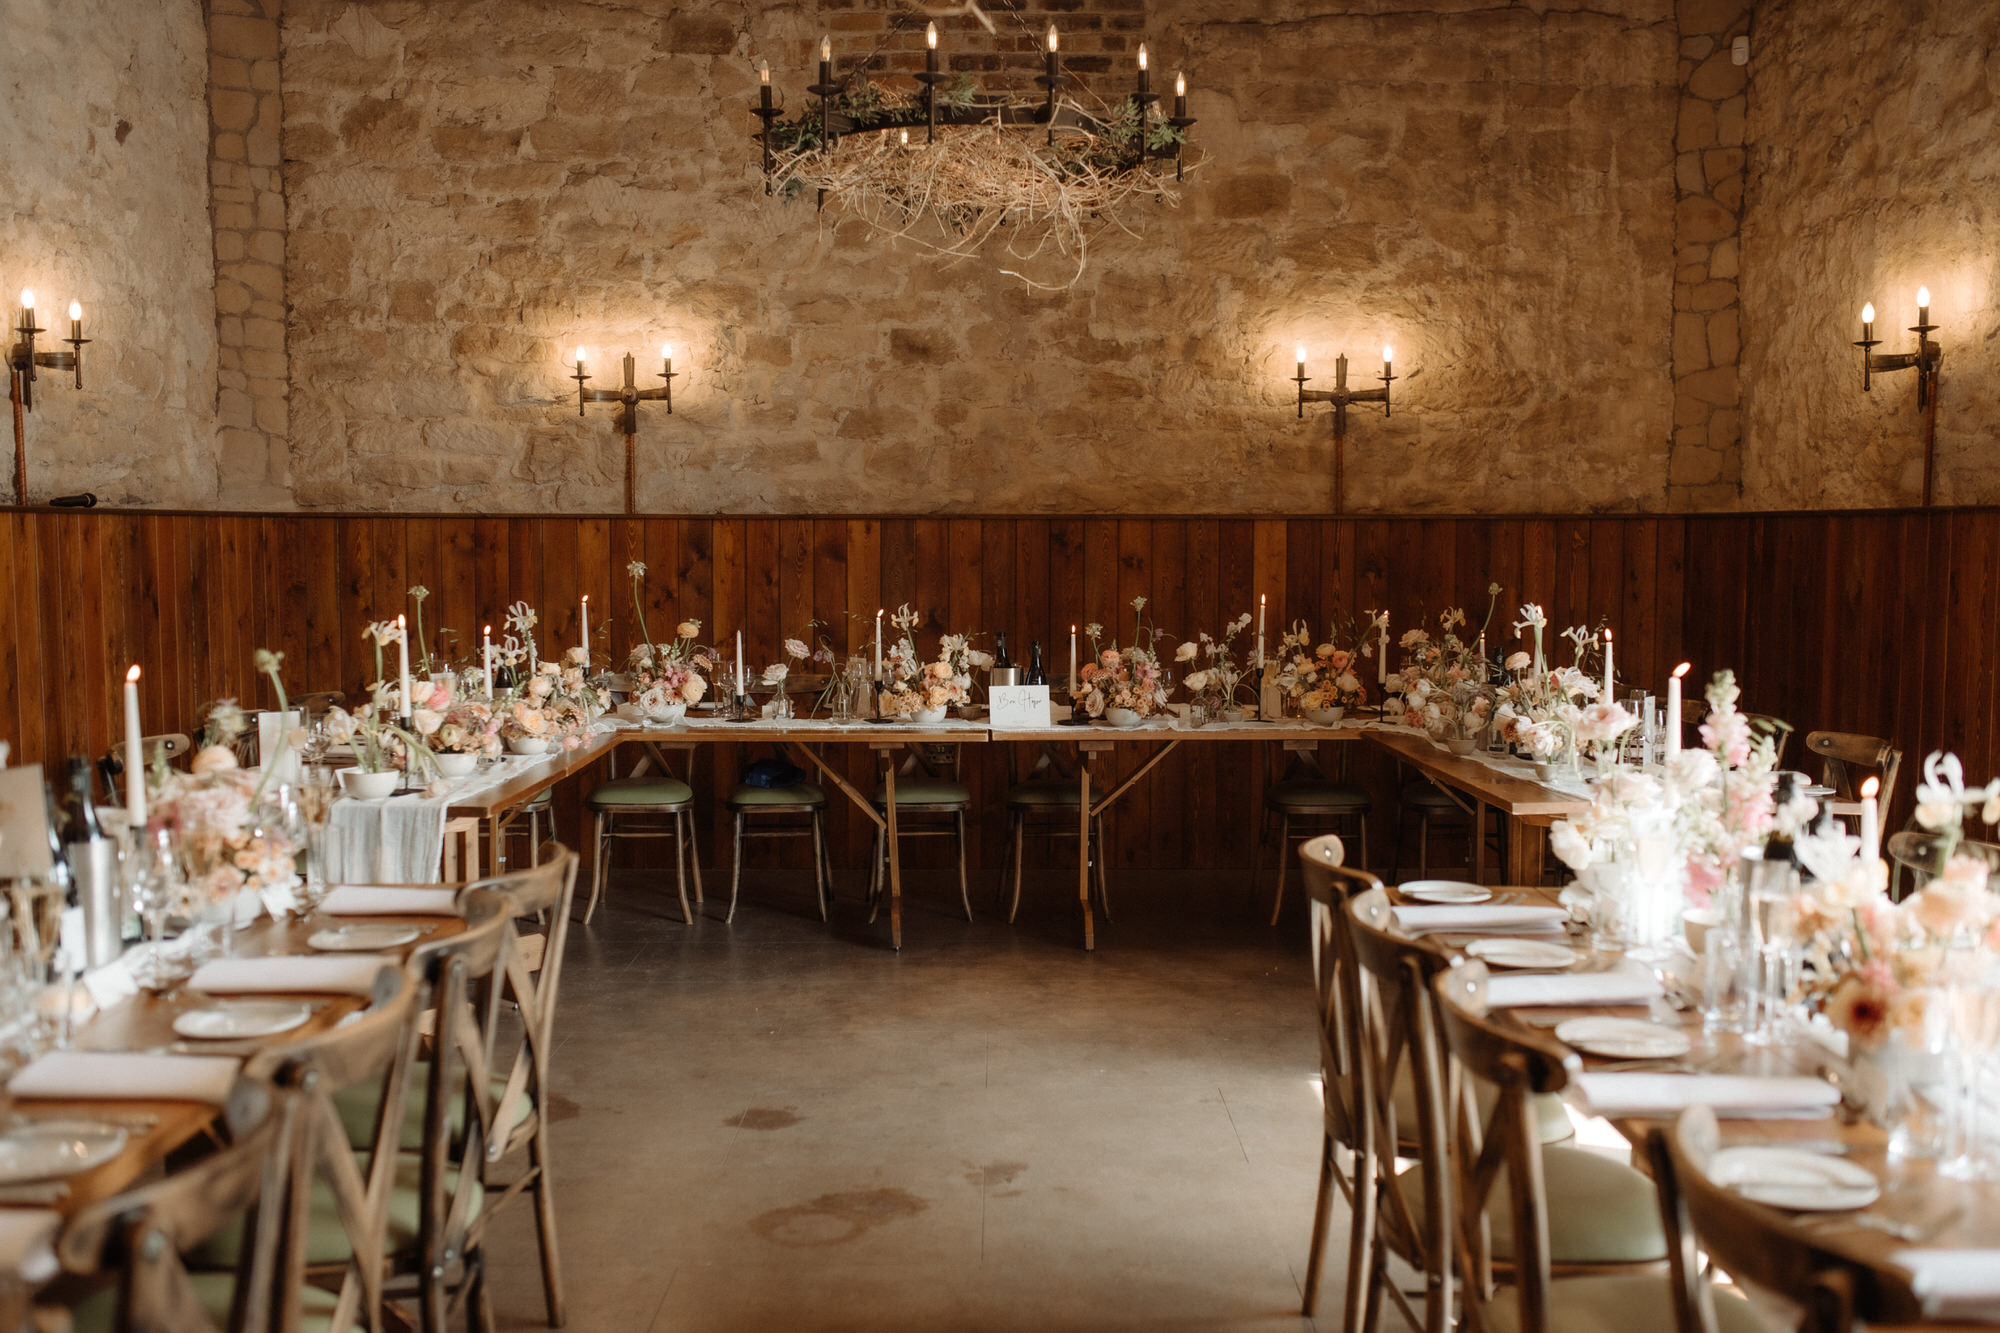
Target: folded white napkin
[(291, 974), (1482, 916), (1955, 1284), (382, 900), (1733, 1096), (27, 1242), (126, 1076), (1627, 983)]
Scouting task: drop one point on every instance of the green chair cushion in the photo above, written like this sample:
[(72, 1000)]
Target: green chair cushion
[(744, 796), (1630, 1303), (1424, 792), (1319, 795), (326, 1238), (541, 800), (1601, 1211), (642, 791), (1550, 1118), (1045, 793), (357, 1104), (98, 1312), (926, 791)]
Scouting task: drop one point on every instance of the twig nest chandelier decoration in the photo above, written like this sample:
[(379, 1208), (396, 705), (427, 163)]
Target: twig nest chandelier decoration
[(952, 169)]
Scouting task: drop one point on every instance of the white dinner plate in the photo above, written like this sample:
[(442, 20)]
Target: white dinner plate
[(1623, 1038), (366, 937), (1805, 1182), (241, 1018), (1449, 891), (1500, 952), (45, 1149)]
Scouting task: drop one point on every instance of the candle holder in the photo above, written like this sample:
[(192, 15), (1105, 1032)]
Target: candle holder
[(1924, 360), (628, 396), (1341, 396), (23, 365)]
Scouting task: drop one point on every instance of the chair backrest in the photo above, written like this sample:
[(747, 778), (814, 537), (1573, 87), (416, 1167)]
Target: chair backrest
[(460, 969), (544, 891), (1922, 854), (1397, 1037), (938, 760), (1837, 1287), (1844, 751), (318, 702), (1519, 1065), (1329, 884), (1779, 730), (174, 745), (142, 1233), (378, 1044)]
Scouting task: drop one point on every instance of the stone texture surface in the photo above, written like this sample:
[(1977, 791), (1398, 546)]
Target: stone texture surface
[(1705, 469), (475, 187), (103, 200), (1874, 168), (246, 116)]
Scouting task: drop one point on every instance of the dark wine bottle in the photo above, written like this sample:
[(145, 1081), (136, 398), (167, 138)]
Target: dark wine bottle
[(1036, 674), (93, 865), (1001, 661)]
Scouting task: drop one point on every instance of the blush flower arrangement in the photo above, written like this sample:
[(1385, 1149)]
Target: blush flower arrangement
[(1445, 690), (1320, 676), (1217, 679), (1128, 678), (668, 676)]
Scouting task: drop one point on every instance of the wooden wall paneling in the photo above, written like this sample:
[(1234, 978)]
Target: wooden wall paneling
[(455, 596), (1503, 566), (1305, 597), (1538, 563), (1638, 637), (165, 700), (607, 587), (1170, 782), (1967, 667), (16, 586), (1911, 665), (1202, 578), (1670, 577), (1236, 592), (357, 607), (563, 583), (1065, 572)]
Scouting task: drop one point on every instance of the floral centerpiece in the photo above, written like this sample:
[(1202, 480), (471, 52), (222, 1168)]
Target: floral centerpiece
[(464, 731), (668, 676), (1445, 690), (1124, 685), (231, 839), (1319, 676), (925, 690), (1216, 681)]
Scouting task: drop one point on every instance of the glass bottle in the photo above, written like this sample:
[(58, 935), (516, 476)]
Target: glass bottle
[(93, 865)]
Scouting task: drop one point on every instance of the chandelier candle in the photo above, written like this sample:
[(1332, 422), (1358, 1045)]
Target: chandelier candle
[(135, 754)]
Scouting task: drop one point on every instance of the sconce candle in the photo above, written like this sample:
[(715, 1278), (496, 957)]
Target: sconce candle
[(1302, 371), (1145, 75), (1388, 363), (1923, 305), (75, 320), (930, 49), (1868, 322), (826, 60), (1180, 95), (27, 308), (1924, 360)]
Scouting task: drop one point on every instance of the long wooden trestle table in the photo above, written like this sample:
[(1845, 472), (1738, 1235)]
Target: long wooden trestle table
[(1525, 806)]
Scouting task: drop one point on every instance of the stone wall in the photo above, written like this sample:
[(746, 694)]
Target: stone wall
[(476, 186), (1874, 169), (104, 200)]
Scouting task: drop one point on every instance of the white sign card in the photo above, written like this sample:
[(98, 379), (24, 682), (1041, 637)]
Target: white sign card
[(24, 824), (1018, 706)]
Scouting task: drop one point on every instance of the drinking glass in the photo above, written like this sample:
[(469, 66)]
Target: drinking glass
[(1973, 1000), (315, 807), (1770, 891), (157, 889)]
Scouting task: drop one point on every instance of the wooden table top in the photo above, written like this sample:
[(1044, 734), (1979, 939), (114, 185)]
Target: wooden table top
[(1161, 729), (145, 1023), (1521, 797)]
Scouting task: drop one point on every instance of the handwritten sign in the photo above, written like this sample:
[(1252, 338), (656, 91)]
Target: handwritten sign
[(1018, 705), (24, 824)]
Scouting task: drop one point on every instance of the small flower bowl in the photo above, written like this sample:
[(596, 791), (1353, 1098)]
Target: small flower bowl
[(457, 765), (1325, 717), (1460, 745), (928, 717), (1123, 717), (528, 745), (369, 786)]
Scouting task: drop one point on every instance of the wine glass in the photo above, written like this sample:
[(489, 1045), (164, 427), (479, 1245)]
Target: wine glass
[(157, 889), (315, 807), (1973, 998)]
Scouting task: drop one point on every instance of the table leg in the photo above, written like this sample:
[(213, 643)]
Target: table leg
[(1085, 760), (1479, 842), (895, 852), (1525, 845)]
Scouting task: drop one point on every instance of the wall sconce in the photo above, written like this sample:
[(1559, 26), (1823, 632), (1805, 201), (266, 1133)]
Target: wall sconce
[(23, 361), (628, 396), (1924, 360), (1340, 396)]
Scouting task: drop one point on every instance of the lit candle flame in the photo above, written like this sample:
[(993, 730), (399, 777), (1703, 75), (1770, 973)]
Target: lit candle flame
[(666, 351), (76, 310), (1301, 357), (930, 36), (582, 355), (132, 675), (764, 71), (1683, 669), (826, 48), (1180, 84), (1868, 313), (1923, 296), (1388, 353), (1052, 38), (27, 298), (1142, 55), (1871, 788)]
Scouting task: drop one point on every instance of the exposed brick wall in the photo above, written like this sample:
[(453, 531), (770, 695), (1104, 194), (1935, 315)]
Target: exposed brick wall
[(1705, 469), (246, 181)]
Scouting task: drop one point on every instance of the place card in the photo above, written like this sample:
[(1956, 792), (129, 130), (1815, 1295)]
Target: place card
[(1018, 706), (24, 824)]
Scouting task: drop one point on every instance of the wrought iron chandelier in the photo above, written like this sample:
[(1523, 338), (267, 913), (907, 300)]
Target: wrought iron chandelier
[(952, 169)]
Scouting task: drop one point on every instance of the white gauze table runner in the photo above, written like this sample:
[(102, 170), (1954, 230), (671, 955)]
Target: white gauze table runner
[(400, 839)]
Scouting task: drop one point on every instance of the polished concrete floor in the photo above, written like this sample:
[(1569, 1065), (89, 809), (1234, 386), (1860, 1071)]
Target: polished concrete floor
[(784, 1125)]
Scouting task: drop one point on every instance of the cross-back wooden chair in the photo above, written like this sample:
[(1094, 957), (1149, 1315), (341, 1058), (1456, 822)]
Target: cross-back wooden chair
[(1922, 856), (1533, 1215), (1779, 730), (1329, 884), (1396, 1039), (174, 745), (1305, 793), (1053, 791), (141, 1234), (336, 1205), (446, 1265), (927, 787), (520, 1106), (1837, 1287), (1846, 751)]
